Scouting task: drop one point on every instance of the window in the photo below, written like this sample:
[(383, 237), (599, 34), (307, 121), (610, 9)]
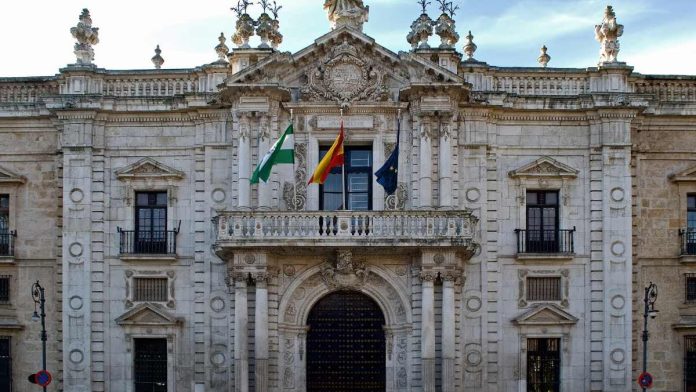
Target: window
[(690, 363), (150, 289), (543, 289), (690, 283), (689, 235), (151, 222), (5, 364), (542, 222), (5, 225), (358, 181), (691, 212), (150, 365), (543, 365), (4, 289)]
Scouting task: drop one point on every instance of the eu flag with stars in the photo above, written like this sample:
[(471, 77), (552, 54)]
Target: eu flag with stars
[(387, 175)]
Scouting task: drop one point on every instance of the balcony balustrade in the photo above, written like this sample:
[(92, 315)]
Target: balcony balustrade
[(269, 229), (553, 241), (7, 243), (134, 242), (688, 241)]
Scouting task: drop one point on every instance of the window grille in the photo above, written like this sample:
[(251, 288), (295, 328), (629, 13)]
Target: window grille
[(5, 364), (150, 365), (543, 289), (543, 365), (4, 289), (690, 363), (690, 287), (150, 289)]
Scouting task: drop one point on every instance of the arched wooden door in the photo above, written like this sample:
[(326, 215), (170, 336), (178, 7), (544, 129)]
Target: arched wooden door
[(346, 344)]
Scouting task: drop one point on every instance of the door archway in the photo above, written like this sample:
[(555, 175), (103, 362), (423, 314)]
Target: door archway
[(346, 344)]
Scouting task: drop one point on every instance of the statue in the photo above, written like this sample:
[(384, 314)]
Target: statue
[(608, 34), (86, 36), (350, 13)]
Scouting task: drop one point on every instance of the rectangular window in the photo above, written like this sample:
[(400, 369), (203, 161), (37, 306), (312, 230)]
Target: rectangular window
[(4, 289), (691, 211), (543, 365), (358, 181), (690, 363), (543, 289), (5, 225), (150, 289), (542, 222), (690, 283), (151, 222), (5, 364), (150, 365)]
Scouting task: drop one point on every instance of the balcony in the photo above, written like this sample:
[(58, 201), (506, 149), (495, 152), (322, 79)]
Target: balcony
[(311, 230), (135, 244), (545, 244), (688, 242), (7, 243)]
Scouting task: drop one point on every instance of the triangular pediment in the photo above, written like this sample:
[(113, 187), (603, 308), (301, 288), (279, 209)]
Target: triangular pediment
[(685, 175), (148, 314), (9, 177), (545, 167), (546, 314), (148, 168)]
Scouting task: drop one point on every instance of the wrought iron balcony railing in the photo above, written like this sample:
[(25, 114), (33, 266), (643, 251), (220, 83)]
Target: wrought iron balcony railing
[(555, 241), (345, 228), (141, 242), (688, 241), (7, 243)]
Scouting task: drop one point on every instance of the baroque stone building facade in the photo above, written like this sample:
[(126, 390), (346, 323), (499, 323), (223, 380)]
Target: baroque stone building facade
[(505, 260)]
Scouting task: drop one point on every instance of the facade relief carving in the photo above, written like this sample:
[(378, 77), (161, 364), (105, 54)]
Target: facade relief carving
[(346, 272), (295, 194)]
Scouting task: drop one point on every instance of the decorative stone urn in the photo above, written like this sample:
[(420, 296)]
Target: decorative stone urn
[(470, 47), (244, 30), (544, 58), (276, 37), (86, 36), (264, 29), (221, 49), (444, 27), (608, 34), (421, 30)]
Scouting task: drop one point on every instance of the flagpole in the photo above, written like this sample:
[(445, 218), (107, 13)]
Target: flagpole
[(294, 180), (398, 128), (343, 167)]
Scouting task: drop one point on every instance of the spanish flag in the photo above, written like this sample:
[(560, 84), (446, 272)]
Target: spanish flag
[(333, 158)]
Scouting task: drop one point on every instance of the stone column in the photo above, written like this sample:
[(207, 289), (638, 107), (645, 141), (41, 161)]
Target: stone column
[(428, 330), (265, 189), (241, 321), (425, 183), (244, 158), (261, 332), (448, 333), (445, 164)]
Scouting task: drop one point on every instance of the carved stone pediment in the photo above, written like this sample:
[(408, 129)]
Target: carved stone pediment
[(148, 168), (9, 177), (545, 314), (545, 167), (345, 271), (148, 314), (688, 175)]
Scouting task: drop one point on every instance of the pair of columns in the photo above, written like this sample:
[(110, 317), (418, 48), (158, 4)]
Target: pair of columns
[(245, 165), (428, 326), (241, 333), (428, 130)]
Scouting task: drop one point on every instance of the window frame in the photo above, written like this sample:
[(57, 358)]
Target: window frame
[(139, 295), (136, 340), (558, 289), (689, 381), (559, 358), (7, 301), (542, 243), (147, 239), (348, 150), (691, 223), (8, 339)]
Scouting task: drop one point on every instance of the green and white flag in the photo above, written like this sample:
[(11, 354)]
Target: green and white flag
[(283, 151)]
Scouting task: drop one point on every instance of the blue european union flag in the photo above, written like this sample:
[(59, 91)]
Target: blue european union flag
[(388, 174)]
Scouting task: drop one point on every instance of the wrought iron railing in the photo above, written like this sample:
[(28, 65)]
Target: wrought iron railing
[(545, 241), (688, 241), (7, 243), (162, 242)]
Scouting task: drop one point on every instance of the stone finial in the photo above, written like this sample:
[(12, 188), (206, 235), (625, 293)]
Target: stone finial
[(544, 58), (244, 28), (608, 34), (470, 47), (444, 25), (157, 59), (351, 13), (421, 28), (276, 37), (264, 29), (86, 36), (221, 49)]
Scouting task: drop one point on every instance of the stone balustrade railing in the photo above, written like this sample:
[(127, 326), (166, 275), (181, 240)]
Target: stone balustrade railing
[(26, 90), (671, 89), (543, 84), (149, 86), (345, 228)]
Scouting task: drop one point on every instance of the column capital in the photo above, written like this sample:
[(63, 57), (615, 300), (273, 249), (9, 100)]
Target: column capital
[(428, 276), (261, 278)]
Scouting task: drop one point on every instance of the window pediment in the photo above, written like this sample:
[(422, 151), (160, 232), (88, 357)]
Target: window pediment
[(148, 169), (688, 175), (9, 177), (148, 314), (545, 167), (546, 314)]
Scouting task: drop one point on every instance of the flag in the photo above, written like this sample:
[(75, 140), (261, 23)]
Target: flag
[(283, 151), (333, 158), (387, 175)]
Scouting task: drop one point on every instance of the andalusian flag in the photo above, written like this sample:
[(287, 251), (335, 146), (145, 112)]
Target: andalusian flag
[(283, 151), (333, 158)]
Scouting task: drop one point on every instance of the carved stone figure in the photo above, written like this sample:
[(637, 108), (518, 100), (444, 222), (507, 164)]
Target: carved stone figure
[(608, 34), (86, 36), (350, 13)]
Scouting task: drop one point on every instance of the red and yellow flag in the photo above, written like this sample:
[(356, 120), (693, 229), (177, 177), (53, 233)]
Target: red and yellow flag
[(333, 158)]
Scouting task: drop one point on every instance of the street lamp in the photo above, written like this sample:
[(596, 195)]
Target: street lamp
[(648, 311), (37, 293)]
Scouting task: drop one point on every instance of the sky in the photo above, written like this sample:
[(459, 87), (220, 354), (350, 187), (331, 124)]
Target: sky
[(659, 36)]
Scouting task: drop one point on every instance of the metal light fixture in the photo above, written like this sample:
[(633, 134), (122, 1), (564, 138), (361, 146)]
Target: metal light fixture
[(648, 311), (37, 294)]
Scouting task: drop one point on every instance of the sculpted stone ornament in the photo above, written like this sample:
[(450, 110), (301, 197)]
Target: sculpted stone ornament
[(345, 272), (444, 26), (608, 34), (86, 36), (244, 28), (421, 30), (351, 13), (264, 29), (544, 58), (275, 37), (157, 59), (470, 47), (221, 49)]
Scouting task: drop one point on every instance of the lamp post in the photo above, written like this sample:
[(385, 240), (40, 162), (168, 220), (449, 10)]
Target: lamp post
[(37, 293), (648, 311)]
